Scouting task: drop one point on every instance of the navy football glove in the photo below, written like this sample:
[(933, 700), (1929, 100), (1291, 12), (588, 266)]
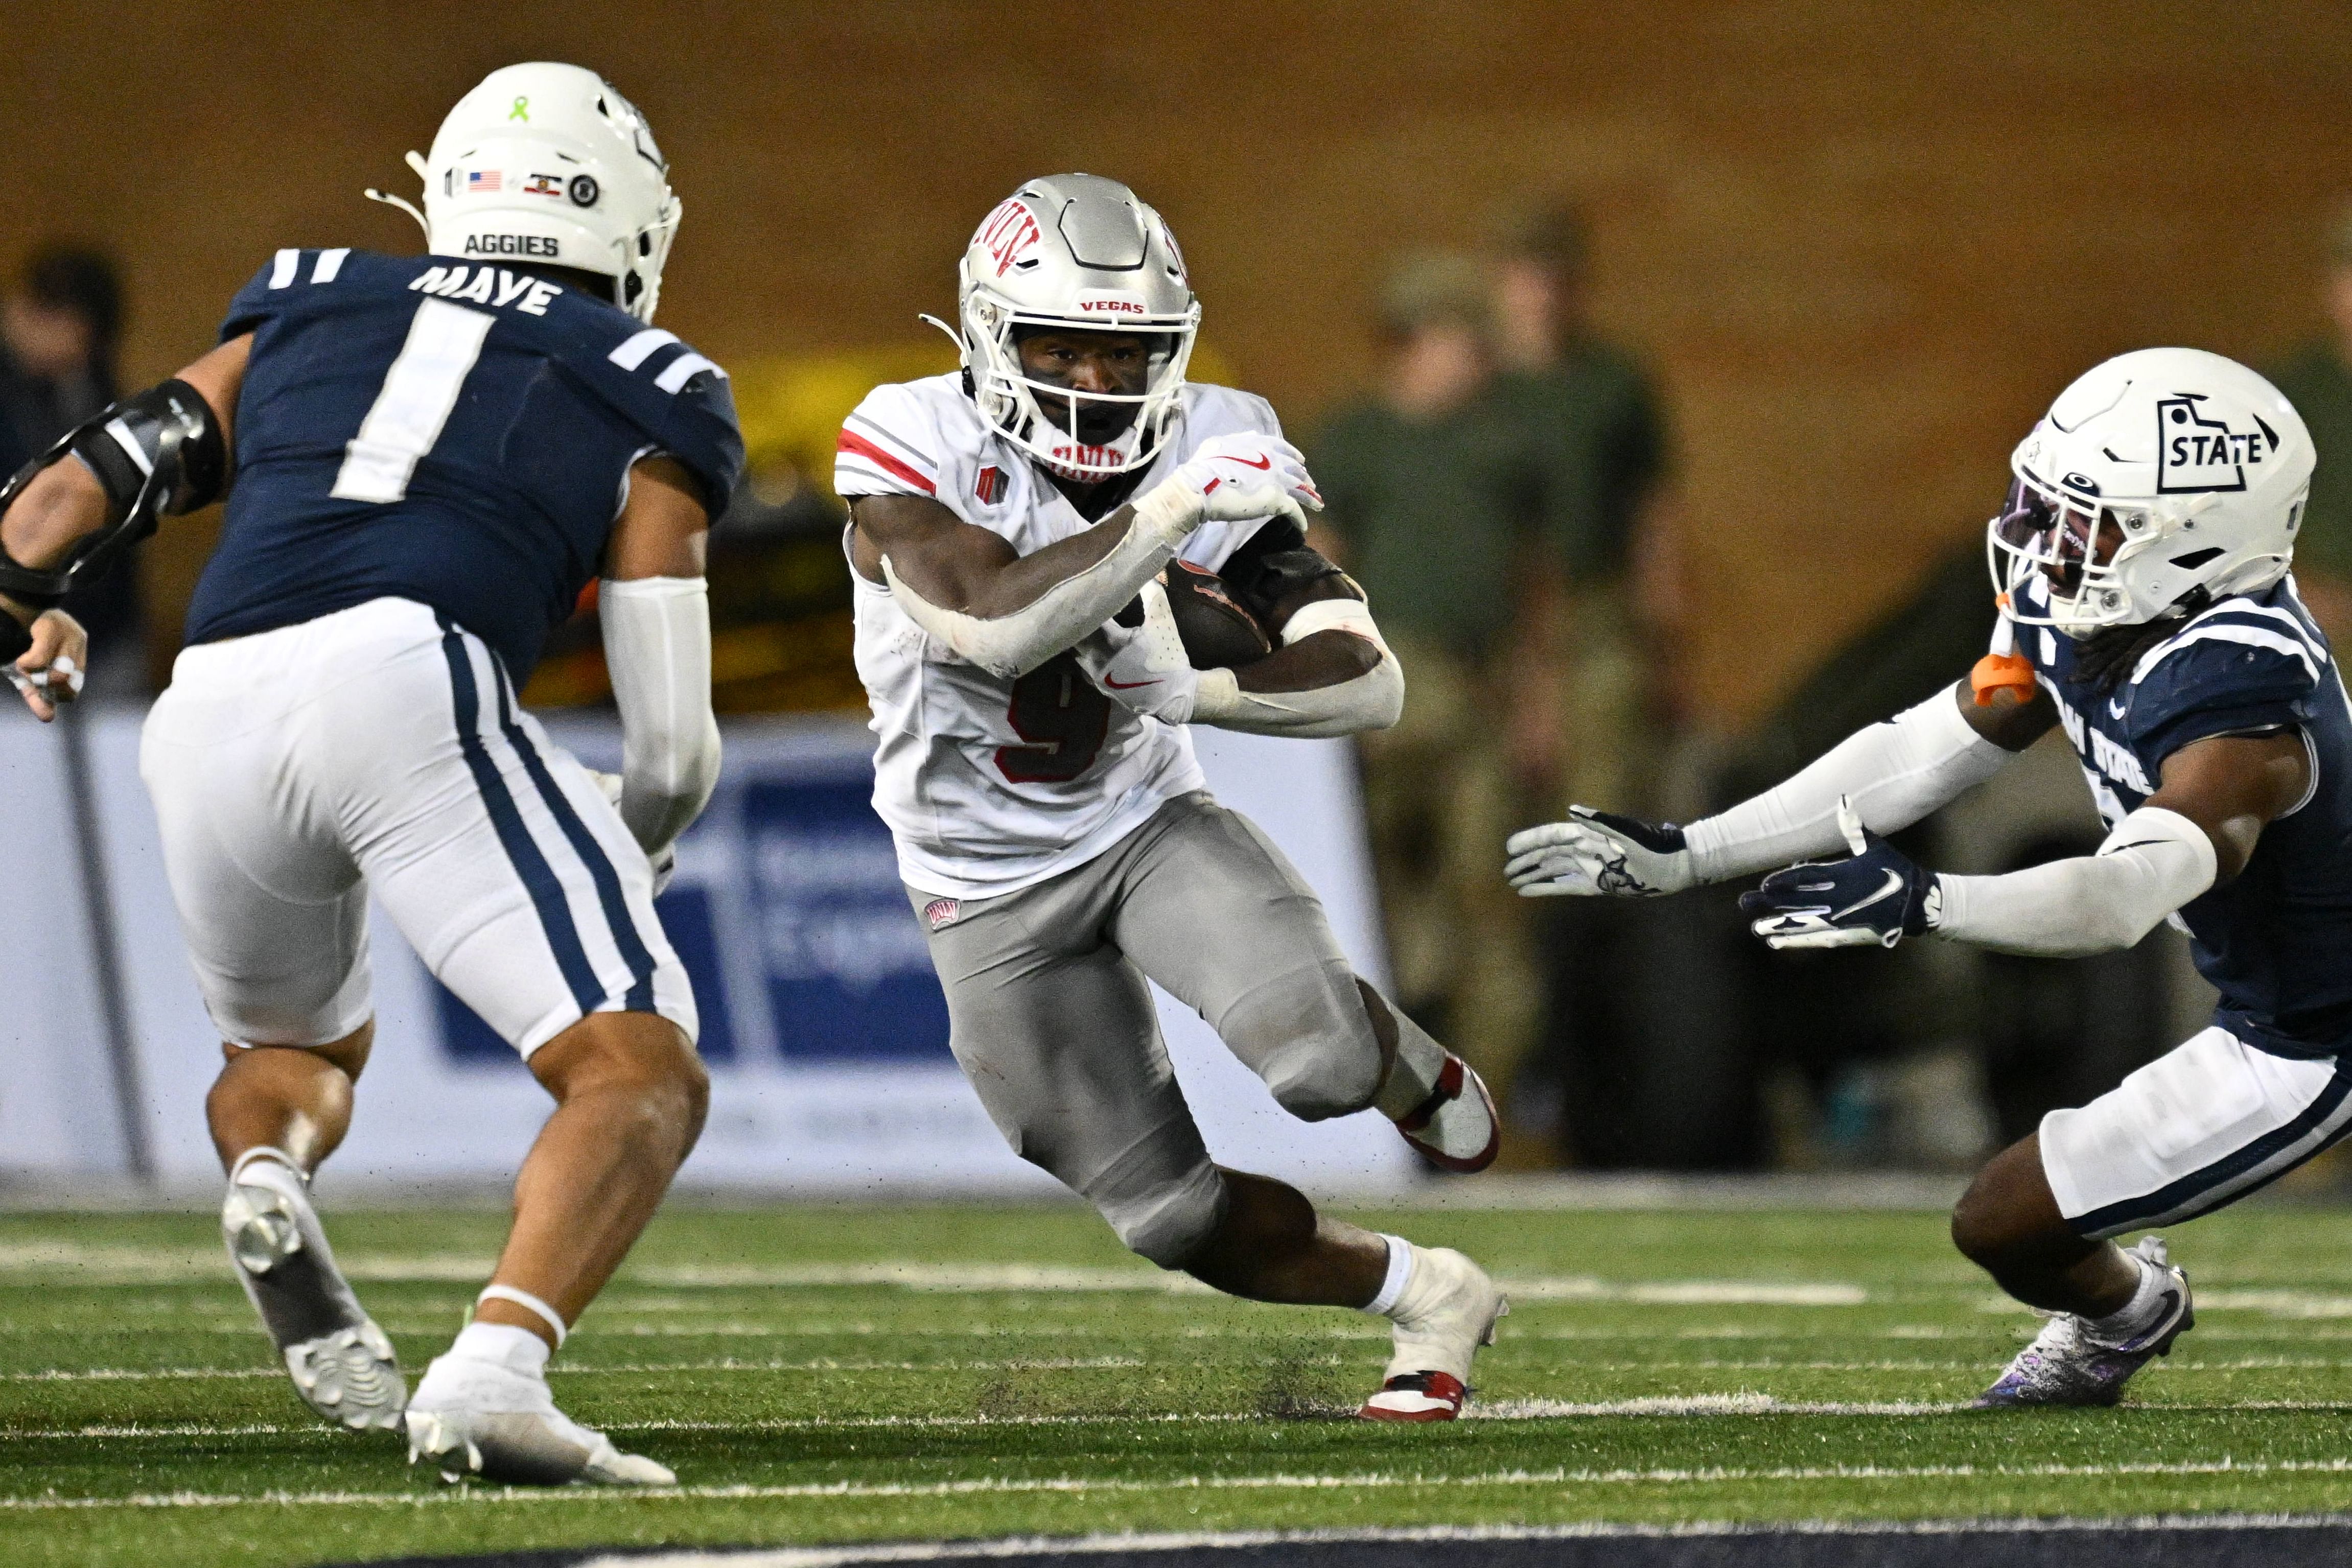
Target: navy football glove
[(1875, 898)]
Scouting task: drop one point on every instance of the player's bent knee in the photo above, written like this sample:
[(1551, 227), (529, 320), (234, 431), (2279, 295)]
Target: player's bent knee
[(1320, 1079), (1308, 1037), (642, 1054), (2007, 1215)]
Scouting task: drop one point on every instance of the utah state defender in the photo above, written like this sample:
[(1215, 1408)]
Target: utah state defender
[(432, 457), (2141, 568)]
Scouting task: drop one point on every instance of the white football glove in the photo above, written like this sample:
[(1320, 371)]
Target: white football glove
[(665, 860), (1595, 853), (1230, 478), (1145, 668)]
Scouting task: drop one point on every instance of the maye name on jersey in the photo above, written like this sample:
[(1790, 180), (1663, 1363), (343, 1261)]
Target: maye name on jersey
[(433, 429), (2275, 941), (990, 785)]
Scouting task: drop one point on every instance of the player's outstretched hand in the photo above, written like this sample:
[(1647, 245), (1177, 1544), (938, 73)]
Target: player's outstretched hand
[(1596, 853), (1875, 898), (1145, 668), (1249, 474), (49, 672)]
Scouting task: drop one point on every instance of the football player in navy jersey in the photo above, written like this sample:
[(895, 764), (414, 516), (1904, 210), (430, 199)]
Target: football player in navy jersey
[(427, 460), (2140, 565)]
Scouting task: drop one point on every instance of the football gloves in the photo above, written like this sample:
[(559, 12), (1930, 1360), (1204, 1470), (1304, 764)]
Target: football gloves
[(1876, 897), (1595, 853), (1145, 668), (1231, 478)]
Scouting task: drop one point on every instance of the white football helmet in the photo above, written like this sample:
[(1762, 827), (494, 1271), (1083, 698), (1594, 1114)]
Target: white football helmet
[(2155, 475), (548, 161), (1074, 251)]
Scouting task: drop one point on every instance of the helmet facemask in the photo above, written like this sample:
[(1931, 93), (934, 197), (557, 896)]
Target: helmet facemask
[(1086, 437), (2074, 545)]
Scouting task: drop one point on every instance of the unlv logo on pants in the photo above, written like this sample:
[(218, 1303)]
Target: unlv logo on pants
[(2196, 455)]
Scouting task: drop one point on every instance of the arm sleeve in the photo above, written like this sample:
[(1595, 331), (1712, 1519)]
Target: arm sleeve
[(1373, 700), (657, 646), (2155, 862), (1894, 773)]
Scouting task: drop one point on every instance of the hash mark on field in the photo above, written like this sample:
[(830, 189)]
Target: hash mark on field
[(1368, 1481)]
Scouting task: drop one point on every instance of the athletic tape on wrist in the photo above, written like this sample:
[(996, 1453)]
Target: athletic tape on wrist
[(1332, 614), (1399, 1276), (268, 1151), (529, 1302)]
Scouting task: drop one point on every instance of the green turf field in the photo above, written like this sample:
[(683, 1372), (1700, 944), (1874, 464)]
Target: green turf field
[(837, 1373)]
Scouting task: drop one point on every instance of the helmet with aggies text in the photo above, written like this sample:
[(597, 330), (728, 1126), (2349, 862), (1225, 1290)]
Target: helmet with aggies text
[(2157, 482), (547, 161), (1075, 252)]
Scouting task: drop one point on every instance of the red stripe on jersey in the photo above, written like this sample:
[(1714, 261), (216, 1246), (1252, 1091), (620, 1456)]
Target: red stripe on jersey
[(867, 450)]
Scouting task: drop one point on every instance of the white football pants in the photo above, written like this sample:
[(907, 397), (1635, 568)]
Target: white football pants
[(379, 750)]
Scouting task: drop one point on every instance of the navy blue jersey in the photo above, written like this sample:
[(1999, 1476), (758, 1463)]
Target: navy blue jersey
[(2276, 940), (449, 431)]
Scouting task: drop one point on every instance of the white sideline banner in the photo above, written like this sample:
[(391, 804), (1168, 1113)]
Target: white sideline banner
[(823, 1025)]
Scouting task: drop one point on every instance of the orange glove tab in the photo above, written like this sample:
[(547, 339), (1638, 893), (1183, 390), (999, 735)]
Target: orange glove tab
[(1995, 671)]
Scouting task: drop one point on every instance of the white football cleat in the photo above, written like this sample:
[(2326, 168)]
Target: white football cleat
[(1448, 1311), (482, 1420), (342, 1364), (2065, 1365), (1455, 1129)]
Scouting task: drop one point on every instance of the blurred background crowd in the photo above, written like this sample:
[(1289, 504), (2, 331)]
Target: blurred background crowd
[(1658, 386)]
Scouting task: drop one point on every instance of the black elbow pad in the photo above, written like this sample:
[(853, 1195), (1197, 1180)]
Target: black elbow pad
[(157, 452)]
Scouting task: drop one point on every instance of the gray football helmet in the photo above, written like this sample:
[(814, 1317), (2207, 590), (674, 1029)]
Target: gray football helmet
[(1075, 252)]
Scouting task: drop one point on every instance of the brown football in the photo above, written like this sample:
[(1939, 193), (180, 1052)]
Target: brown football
[(1218, 633)]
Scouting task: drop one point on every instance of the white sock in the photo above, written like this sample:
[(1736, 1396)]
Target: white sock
[(1419, 1060), (503, 1345), (1400, 1275), (2140, 1315)]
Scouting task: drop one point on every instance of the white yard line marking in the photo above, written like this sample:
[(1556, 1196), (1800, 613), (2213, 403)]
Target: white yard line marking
[(728, 1363), (1744, 1403), (2182, 1363), (1367, 1480), (109, 1263), (1128, 1545)]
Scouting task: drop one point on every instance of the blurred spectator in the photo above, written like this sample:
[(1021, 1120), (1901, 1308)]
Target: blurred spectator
[(2319, 381), (60, 328), (1593, 596), (1589, 725), (1433, 502)]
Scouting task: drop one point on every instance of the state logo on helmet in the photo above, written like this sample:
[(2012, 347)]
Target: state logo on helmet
[(549, 162), (1075, 252), (2161, 476)]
